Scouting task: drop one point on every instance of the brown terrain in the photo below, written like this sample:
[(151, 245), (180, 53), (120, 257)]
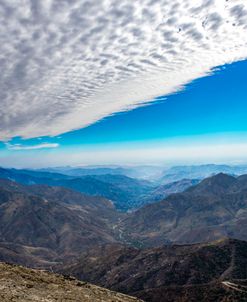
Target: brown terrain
[(215, 208), (150, 253), (199, 272), (21, 284), (40, 225)]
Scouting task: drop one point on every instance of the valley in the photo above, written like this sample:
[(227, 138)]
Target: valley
[(189, 246)]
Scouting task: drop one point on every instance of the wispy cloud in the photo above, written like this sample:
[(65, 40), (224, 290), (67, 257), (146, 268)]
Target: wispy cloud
[(67, 63), (165, 155), (31, 147)]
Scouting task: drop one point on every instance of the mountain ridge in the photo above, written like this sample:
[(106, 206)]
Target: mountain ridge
[(122, 190), (57, 219), (204, 212), (168, 273)]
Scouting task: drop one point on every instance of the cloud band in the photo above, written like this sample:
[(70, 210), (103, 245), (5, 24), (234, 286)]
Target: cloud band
[(68, 63)]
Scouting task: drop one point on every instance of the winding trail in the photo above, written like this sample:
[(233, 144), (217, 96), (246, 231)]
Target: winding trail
[(234, 286)]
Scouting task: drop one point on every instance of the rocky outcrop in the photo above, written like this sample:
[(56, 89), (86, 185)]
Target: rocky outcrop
[(21, 284)]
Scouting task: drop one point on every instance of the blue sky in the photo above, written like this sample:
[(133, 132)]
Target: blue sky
[(210, 111), (211, 105)]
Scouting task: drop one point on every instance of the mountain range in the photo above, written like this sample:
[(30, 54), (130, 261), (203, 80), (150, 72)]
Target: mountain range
[(147, 172), (123, 191), (215, 271), (66, 220), (199, 172), (215, 208), (41, 224), (157, 173), (168, 250)]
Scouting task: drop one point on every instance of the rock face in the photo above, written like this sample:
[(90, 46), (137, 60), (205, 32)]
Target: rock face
[(23, 285), (215, 208), (200, 272)]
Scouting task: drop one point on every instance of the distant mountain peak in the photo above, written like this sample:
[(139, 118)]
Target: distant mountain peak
[(214, 185)]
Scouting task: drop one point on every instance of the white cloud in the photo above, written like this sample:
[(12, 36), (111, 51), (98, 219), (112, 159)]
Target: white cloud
[(31, 147), (67, 63)]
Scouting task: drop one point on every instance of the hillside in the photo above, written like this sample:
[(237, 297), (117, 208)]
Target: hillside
[(21, 284), (69, 222), (215, 208), (162, 191), (123, 191), (186, 273), (48, 223), (64, 230)]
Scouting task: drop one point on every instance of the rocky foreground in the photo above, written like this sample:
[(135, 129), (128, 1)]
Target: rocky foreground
[(21, 284)]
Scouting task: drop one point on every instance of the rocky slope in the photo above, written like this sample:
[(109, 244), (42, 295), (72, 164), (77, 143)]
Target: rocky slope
[(215, 208), (23, 285), (186, 273), (29, 256), (50, 222)]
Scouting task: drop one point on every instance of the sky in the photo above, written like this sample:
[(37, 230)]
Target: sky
[(205, 122), (130, 82)]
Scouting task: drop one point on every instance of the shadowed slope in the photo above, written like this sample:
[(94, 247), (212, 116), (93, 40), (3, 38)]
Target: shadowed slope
[(169, 273), (57, 219), (215, 208)]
